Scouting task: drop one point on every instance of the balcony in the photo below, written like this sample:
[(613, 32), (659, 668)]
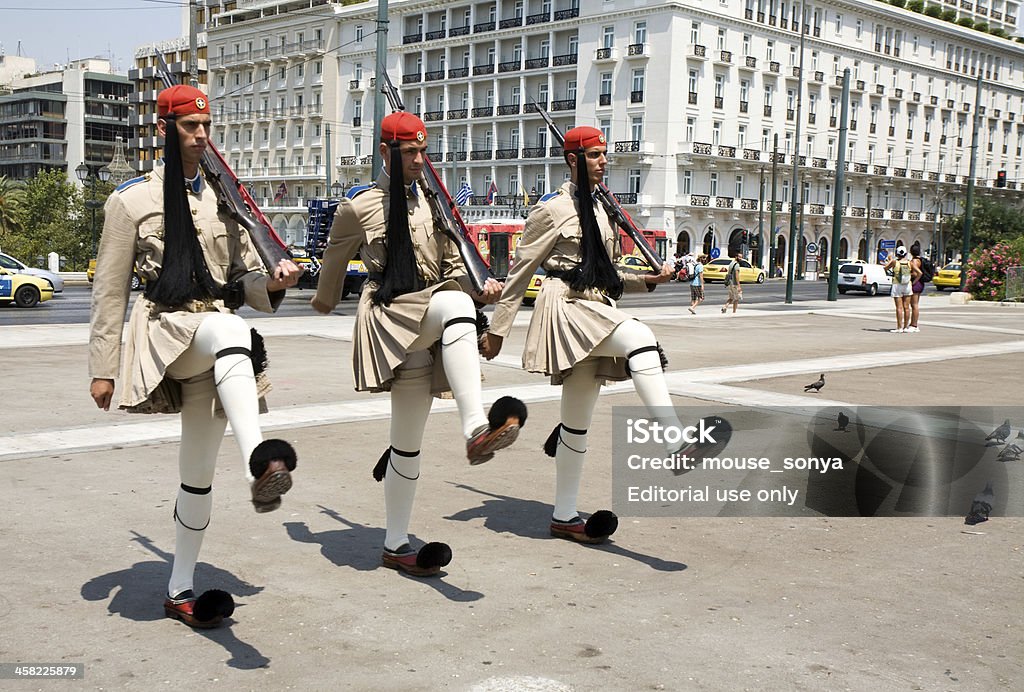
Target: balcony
[(483, 26), (626, 197), (879, 90), (455, 156), (796, 72), (933, 100), (860, 168), (751, 154), (699, 52), (555, 151), (506, 154), (570, 13), (819, 77), (897, 93), (458, 72), (767, 111), (790, 114), (881, 170), (750, 62), (812, 118), (510, 23), (458, 114), (604, 100), (435, 35), (357, 122), (774, 67), (603, 54), (815, 208), (700, 201), (778, 158), (534, 152), (724, 202), (832, 120), (435, 157), (872, 128), (724, 57), (412, 38), (859, 85), (412, 78), (483, 69), (508, 109), (727, 152), (892, 131), (747, 204), (532, 107), (480, 155), (433, 76), (913, 216), (353, 85), (896, 214), (536, 63), (878, 213), (702, 148), (638, 97), (950, 104), (459, 31), (510, 66), (950, 178), (933, 177), (744, 106), (541, 18), (692, 98), (483, 112), (627, 147), (637, 50), (965, 107), (431, 116), (818, 162), (565, 60), (563, 105)]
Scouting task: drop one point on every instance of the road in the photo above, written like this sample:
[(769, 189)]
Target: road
[(72, 307)]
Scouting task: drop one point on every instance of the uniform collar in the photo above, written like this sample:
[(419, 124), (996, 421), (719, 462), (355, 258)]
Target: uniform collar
[(384, 183), (193, 185)]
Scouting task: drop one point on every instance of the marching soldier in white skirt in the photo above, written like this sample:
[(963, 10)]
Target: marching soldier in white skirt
[(577, 336), (416, 329), (186, 350)]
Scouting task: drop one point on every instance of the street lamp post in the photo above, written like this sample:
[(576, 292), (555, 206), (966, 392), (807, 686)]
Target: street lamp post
[(86, 173), (337, 189), (867, 230)]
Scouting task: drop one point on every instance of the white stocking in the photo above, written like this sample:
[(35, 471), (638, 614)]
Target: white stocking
[(451, 318), (580, 391), (410, 405)]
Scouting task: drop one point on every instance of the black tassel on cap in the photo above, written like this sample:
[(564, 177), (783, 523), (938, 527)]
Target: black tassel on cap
[(400, 272), (184, 275), (596, 269)]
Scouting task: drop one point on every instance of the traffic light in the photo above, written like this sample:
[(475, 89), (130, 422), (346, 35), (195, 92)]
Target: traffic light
[(1001, 179)]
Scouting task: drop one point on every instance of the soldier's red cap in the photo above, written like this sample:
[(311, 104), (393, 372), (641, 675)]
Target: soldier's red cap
[(404, 127), (182, 99), (584, 137)]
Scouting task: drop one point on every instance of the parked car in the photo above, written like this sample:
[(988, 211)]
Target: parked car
[(533, 288), (14, 265), (947, 277), (635, 262), (24, 290), (715, 270), (90, 274), (870, 278)]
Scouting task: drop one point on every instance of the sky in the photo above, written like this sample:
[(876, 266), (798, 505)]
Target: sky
[(52, 31)]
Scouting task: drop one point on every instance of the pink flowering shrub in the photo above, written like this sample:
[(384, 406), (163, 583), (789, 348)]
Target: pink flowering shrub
[(986, 270)]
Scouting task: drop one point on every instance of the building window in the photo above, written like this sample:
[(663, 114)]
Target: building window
[(608, 37), (640, 32), (634, 181), (687, 182), (713, 185), (694, 33)]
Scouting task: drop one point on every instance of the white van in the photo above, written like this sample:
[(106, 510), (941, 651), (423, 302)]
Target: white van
[(870, 278)]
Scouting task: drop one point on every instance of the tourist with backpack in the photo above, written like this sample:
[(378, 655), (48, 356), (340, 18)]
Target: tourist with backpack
[(696, 283), (926, 270), (904, 273), (732, 281)]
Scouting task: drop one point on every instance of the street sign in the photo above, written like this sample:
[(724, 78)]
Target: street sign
[(715, 253), (887, 244)]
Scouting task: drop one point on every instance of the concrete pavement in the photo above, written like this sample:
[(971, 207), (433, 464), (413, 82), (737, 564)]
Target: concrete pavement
[(686, 604)]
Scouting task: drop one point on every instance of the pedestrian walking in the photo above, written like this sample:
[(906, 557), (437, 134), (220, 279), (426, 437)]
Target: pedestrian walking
[(697, 284), (186, 351), (733, 283)]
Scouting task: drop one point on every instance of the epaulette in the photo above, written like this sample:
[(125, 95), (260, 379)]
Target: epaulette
[(358, 190), (134, 181), (550, 195)]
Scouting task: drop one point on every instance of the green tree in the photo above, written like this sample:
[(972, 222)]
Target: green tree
[(933, 11), (54, 220), (992, 223), (12, 207)]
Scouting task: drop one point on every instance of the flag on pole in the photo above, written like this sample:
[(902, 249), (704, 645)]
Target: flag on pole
[(464, 194), (526, 196), (492, 193), (282, 192)]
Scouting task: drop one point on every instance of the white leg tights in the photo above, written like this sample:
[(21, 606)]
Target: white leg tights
[(410, 405), (579, 396), (451, 318)]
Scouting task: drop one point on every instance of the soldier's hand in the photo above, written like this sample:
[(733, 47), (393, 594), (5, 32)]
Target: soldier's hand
[(285, 275), (490, 345), (665, 275), (491, 293), (102, 392)]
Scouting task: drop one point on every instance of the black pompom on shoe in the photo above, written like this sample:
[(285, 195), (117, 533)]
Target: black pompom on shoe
[(504, 421), (601, 524), (434, 555), (504, 408), (427, 562), (213, 605), (271, 464)]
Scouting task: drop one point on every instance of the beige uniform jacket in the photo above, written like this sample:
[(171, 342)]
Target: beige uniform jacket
[(551, 239), (133, 238), (384, 333)]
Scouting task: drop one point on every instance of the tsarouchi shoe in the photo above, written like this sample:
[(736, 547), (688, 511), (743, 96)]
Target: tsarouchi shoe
[(426, 562), (271, 464), (506, 417), (206, 612), (596, 529)]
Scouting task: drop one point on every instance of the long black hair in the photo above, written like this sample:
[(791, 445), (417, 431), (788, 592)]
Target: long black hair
[(596, 269), (184, 275), (400, 272)]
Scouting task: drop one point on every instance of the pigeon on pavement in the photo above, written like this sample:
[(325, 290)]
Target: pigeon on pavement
[(1010, 452), (816, 386), (981, 506), (842, 420), (1001, 433)]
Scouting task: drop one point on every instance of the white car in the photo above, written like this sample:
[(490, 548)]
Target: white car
[(870, 278), (55, 280)]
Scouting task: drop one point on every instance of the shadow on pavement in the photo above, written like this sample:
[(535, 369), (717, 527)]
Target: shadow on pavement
[(530, 519)]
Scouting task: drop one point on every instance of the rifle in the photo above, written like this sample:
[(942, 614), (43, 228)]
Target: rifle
[(611, 205), (446, 214), (234, 200)]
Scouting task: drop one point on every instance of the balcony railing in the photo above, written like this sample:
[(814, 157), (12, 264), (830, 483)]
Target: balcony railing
[(435, 35), (627, 146), (505, 154), (818, 162), (458, 114), (433, 76), (564, 60), (459, 31), (815, 208), (725, 56), (774, 66), (534, 152), (719, 102), (604, 99), (458, 72), (541, 18), (900, 172), (435, 157), (510, 66), (727, 151), (752, 154), (570, 13), (431, 116), (744, 106), (508, 109), (748, 204), (638, 97), (455, 156), (412, 78), (510, 23), (636, 49), (767, 111), (881, 170), (483, 112), (692, 98), (626, 197), (412, 38), (603, 54), (750, 61), (483, 26), (724, 202), (480, 155), (699, 51), (563, 105), (700, 201), (534, 63), (702, 148)]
